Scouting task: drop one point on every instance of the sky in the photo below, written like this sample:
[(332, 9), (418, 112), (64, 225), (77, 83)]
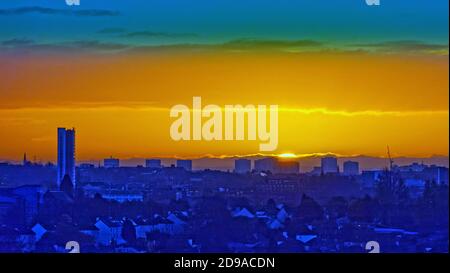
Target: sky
[(349, 79)]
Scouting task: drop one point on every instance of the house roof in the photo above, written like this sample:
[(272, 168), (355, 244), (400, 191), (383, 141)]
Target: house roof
[(110, 222), (44, 225), (305, 238), (244, 212), (381, 230), (177, 217), (275, 224), (90, 227), (141, 222), (157, 219)]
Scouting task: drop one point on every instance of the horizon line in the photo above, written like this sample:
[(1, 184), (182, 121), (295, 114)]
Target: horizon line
[(246, 156)]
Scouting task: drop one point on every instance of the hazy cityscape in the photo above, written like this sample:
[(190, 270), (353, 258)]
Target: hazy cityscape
[(265, 204)]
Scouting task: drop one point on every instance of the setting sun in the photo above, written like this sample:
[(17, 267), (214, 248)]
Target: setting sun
[(287, 155)]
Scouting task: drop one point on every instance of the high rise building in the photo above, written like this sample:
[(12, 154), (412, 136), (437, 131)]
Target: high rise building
[(242, 165), (329, 165), (111, 162), (66, 154), (153, 163), (185, 164), (265, 164), (287, 167), (25, 162), (351, 168)]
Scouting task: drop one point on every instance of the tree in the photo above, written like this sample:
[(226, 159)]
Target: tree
[(363, 210), (271, 207), (433, 206), (391, 189), (309, 210), (337, 207), (393, 196), (129, 231)]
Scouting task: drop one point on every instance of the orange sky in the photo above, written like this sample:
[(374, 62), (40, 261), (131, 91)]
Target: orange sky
[(345, 103)]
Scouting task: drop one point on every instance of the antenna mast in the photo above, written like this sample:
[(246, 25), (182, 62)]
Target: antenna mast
[(391, 162)]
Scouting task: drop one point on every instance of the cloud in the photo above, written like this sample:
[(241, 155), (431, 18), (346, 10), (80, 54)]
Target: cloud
[(153, 34), (95, 45), (243, 45), (141, 105), (238, 45), (376, 113), (406, 46), (17, 42), (52, 11), (26, 45), (111, 30), (269, 44)]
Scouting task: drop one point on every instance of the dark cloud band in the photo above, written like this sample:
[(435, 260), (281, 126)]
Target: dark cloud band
[(403, 46), (240, 45), (52, 11)]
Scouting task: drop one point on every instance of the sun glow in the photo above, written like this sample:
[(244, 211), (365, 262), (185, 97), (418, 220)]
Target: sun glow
[(287, 155), (136, 123)]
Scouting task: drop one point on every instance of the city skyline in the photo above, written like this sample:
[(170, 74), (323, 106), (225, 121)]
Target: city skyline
[(304, 163), (66, 159), (286, 163)]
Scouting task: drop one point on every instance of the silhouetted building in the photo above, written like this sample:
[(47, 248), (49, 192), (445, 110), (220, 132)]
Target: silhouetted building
[(414, 167), (329, 165), (153, 163), (185, 164), (66, 154), (369, 177), (25, 162), (436, 173), (287, 167), (265, 164), (351, 168), (111, 162), (86, 166), (242, 165), (282, 187), (316, 171)]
